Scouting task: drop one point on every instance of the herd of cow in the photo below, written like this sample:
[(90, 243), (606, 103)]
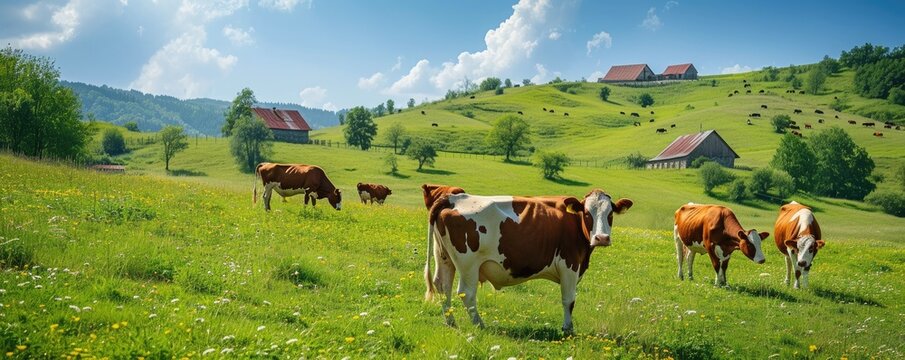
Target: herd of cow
[(507, 240)]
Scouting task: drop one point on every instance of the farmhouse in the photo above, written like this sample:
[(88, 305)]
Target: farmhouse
[(684, 149), (680, 72), (287, 125), (623, 73)]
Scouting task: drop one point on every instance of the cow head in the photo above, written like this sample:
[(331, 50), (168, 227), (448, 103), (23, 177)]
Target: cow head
[(596, 211), (750, 244), (806, 248), (335, 198)]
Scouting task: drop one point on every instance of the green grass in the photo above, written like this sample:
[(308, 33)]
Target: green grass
[(178, 265)]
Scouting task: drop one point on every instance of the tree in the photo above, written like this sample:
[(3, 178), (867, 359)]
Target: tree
[(843, 167), (509, 135), (897, 96), (391, 106), (816, 79), (411, 103), (422, 151), (713, 175), (761, 181), (605, 93), (241, 106), (390, 162), (508, 83), (526, 82), (797, 159), (131, 126), (490, 83), (360, 129), (863, 55), (829, 65), (394, 135), (551, 164), (498, 91), (795, 82), (380, 110), (771, 73), (556, 80), (892, 202), (174, 140), (783, 184), (341, 116), (38, 116), (646, 100), (251, 143), (636, 160), (781, 122), (875, 80), (113, 142)]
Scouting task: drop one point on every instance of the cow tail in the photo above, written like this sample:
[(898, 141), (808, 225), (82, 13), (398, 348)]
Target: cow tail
[(439, 205), (254, 193)]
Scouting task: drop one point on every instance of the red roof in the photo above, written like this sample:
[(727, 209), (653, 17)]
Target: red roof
[(280, 119), (676, 69), (624, 72), (685, 145)]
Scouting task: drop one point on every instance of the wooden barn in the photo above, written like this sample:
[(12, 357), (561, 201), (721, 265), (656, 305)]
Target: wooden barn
[(625, 73), (680, 72), (684, 149), (287, 125)]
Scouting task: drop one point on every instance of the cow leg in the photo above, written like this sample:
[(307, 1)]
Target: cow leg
[(680, 251), (797, 275), (444, 272), (568, 284), (789, 266), (307, 194), (716, 267), (468, 290), (284, 198), (689, 261), (804, 278), (724, 264), (268, 192)]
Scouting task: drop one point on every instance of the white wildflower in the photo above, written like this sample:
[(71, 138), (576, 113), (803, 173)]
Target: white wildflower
[(635, 300), (76, 308), (291, 341), (174, 300), (151, 316), (226, 351), (208, 351), (370, 332), (87, 308), (228, 338), (267, 303), (495, 348), (691, 312), (262, 327)]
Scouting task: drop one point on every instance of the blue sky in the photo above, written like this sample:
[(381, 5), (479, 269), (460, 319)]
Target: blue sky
[(337, 54)]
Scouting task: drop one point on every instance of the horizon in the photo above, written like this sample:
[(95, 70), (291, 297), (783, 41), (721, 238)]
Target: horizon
[(210, 50)]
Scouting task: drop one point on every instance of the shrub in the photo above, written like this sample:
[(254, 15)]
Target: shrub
[(498, 91), (636, 160), (391, 163), (131, 126), (897, 96), (761, 181), (892, 202), (646, 100), (783, 184), (468, 113), (698, 161), (113, 142), (781, 122), (605, 93), (738, 191), (551, 163), (713, 175)]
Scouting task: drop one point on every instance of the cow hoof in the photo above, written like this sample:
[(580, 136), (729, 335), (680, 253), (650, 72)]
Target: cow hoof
[(567, 332)]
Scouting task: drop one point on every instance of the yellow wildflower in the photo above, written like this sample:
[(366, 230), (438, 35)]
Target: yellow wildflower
[(21, 347), (350, 339), (812, 348)]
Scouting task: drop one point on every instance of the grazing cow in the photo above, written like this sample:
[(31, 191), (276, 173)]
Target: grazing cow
[(795, 127), (868, 124), (887, 126), (747, 85), (837, 116), (790, 91), (792, 122), (820, 121), (423, 113), (551, 111), (565, 114), (622, 113), (636, 123), (293, 179), (471, 97), (797, 111), (807, 126), (714, 230), (651, 120), (878, 134), (636, 115), (763, 106), (517, 85), (835, 98), (508, 240), (747, 91), (796, 133), (651, 112), (757, 115), (749, 122), (761, 91), (818, 111), (853, 122), (672, 126), (801, 92), (735, 92), (744, 81), (373, 192), (521, 113), (730, 94), (797, 235), (661, 131), (435, 125), (545, 109)]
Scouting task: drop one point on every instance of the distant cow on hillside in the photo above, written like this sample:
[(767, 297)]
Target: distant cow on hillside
[(878, 134), (435, 125), (796, 133), (747, 85), (661, 131), (423, 113), (565, 114), (551, 111), (521, 113), (735, 92), (853, 122), (761, 91), (820, 121), (545, 109), (792, 122), (801, 92), (797, 111), (637, 123), (636, 115), (796, 127), (763, 106), (837, 116), (622, 113), (672, 126), (651, 112), (747, 91), (730, 94), (749, 122), (818, 111), (887, 126), (471, 97), (651, 120), (373, 192), (807, 126), (868, 124), (757, 115)]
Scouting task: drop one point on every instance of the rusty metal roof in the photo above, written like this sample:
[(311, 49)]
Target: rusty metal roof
[(625, 72), (281, 119), (676, 69), (685, 145)]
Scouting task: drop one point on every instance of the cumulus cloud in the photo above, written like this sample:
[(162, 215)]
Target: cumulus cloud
[(670, 4), (597, 74), (239, 36), (183, 66), (735, 69), (398, 64), (316, 97), (413, 82), (372, 82), (206, 10), (65, 20), (601, 38), (541, 75), (652, 21), (554, 35), (283, 5)]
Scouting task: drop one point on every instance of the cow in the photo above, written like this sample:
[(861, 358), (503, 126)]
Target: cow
[(435, 125), (887, 126), (796, 133), (661, 131), (622, 113), (293, 179), (898, 127), (423, 113), (521, 113), (749, 122), (792, 122), (637, 123), (545, 109), (714, 230), (801, 92), (471, 97), (797, 111), (790, 91), (748, 91), (651, 112), (853, 122), (868, 124), (820, 121), (795, 127), (761, 91), (373, 192), (744, 81), (735, 92), (651, 120), (507, 240), (797, 235), (807, 126), (818, 111), (757, 115), (837, 116), (672, 125), (730, 94), (565, 114), (747, 85), (890, 123), (763, 106), (432, 193), (878, 134), (636, 115), (552, 111)]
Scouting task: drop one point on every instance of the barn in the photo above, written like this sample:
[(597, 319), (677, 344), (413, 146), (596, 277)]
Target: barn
[(287, 125), (680, 72), (623, 73), (684, 149)]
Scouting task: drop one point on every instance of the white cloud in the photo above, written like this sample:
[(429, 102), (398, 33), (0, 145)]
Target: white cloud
[(554, 35), (601, 38), (735, 69), (370, 83), (413, 81), (239, 36), (283, 5), (65, 20), (597, 74), (670, 4), (183, 66), (398, 64), (191, 11), (513, 40), (652, 21), (315, 97), (124, 2), (541, 75)]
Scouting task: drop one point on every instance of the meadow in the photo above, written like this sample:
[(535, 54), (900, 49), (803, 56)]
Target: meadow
[(158, 264)]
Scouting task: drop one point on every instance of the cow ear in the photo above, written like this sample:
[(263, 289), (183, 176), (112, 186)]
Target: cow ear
[(764, 235), (622, 205), (820, 244), (742, 235), (573, 206), (791, 244)]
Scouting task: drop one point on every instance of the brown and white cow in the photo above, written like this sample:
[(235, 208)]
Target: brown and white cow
[(508, 240), (293, 179), (797, 235), (373, 192), (714, 230), (433, 192)]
